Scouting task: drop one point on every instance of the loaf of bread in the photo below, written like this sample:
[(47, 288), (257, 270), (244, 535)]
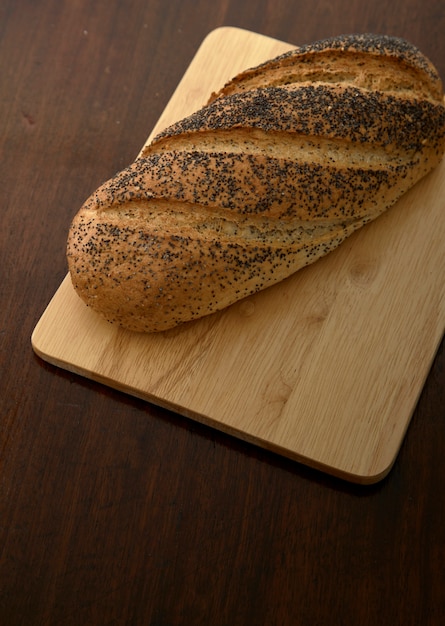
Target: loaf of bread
[(275, 171)]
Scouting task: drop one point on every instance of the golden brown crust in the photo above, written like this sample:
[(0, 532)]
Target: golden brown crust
[(356, 59), (287, 160)]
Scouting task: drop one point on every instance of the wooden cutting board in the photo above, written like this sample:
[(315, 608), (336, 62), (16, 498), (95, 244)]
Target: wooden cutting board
[(326, 367)]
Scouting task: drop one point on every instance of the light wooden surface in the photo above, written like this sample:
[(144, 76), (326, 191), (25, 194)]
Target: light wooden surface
[(325, 368)]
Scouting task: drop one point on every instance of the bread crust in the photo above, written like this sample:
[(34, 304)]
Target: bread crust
[(283, 163)]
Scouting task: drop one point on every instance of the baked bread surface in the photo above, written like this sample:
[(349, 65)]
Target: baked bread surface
[(283, 163)]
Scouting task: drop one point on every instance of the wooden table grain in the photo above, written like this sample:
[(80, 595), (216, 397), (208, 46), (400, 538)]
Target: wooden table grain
[(113, 511)]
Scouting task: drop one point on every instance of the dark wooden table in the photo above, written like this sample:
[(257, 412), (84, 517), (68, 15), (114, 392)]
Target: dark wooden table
[(113, 511)]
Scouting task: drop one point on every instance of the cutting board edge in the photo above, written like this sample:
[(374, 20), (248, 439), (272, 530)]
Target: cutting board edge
[(343, 473)]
